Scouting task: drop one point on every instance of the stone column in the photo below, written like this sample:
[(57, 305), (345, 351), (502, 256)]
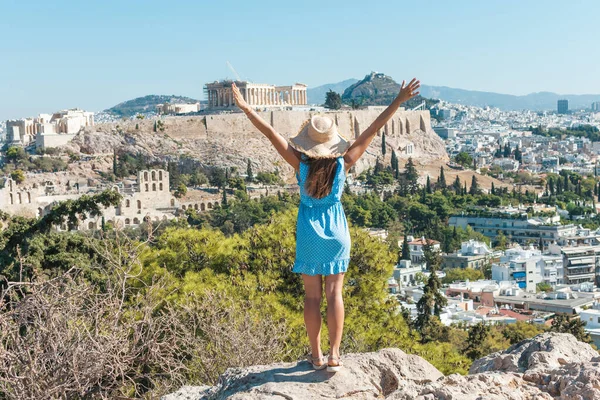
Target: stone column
[(231, 96), (304, 96)]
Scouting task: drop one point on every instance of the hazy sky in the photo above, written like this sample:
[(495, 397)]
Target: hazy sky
[(95, 54)]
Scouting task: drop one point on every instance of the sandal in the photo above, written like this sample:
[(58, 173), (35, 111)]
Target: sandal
[(334, 368), (313, 360)]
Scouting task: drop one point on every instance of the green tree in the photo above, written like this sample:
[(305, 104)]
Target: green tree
[(441, 182), (405, 249), (575, 326), (333, 101), (463, 158), (457, 186), (18, 176), (478, 335), (249, 173), (16, 154), (428, 189), (411, 176), (383, 149), (180, 191), (462, 274), (474, 189), (518, 154)]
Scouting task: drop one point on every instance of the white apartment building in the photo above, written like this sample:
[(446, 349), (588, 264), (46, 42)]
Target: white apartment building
[(520, 265)]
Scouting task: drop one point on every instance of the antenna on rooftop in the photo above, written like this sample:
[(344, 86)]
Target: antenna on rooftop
[(233, 70)]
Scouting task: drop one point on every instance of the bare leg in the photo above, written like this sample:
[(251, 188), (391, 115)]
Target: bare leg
[(335, 312), (313, 287)]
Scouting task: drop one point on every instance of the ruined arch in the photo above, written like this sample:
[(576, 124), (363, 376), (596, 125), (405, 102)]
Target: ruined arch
[(139, 204), (136, 221), (160, 186), (146, 187), (153, 174), (195, 206), (145, 175), (209, 205), (202, 207), (28, 197), (183, 207), (127, 221), (19, 198), (12, 200), (154, 187), (127, 203), (160, 176)]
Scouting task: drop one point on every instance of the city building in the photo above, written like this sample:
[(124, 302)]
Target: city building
[(472, 254), (596, 106), (482, 291), (579, 263), (417, 248), (445, 133), (520, 265), (405, 273), (182, 108), (48, 130), (220, 94), (517, 227), (591, 317), (563, 106)]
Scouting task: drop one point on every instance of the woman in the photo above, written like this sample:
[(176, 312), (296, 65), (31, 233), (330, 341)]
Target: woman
[(321, 158)]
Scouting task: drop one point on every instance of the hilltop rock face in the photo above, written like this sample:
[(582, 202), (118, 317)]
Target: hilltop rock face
[(561, 368), (230, 140)]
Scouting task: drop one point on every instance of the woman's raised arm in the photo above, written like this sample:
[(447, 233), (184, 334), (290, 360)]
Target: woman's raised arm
[(360, 145), (288, 153)]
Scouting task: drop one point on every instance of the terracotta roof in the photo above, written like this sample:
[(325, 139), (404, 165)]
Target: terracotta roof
[(515, 315), (422, 242)]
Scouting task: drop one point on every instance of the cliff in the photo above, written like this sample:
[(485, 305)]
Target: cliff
[(229, 139), (549, 366)]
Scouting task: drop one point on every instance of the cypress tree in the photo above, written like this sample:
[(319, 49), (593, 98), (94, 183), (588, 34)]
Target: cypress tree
[(493, 190), (428, 186), (411, 176), (457, 186), (464, 192), (405, 249), (442, 178), (155, 127), (383, 144), (224, 200), (474, 189), (249, 173)]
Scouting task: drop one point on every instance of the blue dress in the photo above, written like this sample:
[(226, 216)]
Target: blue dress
[(322, 235)]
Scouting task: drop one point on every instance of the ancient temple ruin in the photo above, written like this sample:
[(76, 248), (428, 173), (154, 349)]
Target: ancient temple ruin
[(220, 94)]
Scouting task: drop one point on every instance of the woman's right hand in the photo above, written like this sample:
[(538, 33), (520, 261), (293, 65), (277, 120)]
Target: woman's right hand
[(239, 99)]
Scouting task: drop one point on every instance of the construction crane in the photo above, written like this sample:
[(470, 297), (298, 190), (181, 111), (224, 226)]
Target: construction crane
[(233, 70)]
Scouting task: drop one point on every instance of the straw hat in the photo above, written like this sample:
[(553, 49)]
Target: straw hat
[(319, 138)]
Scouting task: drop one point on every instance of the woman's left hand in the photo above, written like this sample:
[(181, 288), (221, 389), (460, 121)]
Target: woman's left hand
[(409, 91)]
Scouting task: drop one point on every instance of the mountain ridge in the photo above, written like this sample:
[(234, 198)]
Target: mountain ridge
[(535, 101)]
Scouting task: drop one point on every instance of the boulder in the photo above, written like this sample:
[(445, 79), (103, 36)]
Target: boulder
[(544, 352), (548, 366)]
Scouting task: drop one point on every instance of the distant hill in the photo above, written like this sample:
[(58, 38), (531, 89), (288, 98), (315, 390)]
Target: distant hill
[(146, 104), (533, 101), (317, 95), (377, 89)]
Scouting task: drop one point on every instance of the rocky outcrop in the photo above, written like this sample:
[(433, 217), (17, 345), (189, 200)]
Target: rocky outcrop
[(230, 140), (543, 353), (549, 366)]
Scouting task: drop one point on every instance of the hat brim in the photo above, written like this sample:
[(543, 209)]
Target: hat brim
[(333, 148)]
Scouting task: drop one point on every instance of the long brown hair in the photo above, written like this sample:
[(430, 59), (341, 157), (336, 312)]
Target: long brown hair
[(321, 173)]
